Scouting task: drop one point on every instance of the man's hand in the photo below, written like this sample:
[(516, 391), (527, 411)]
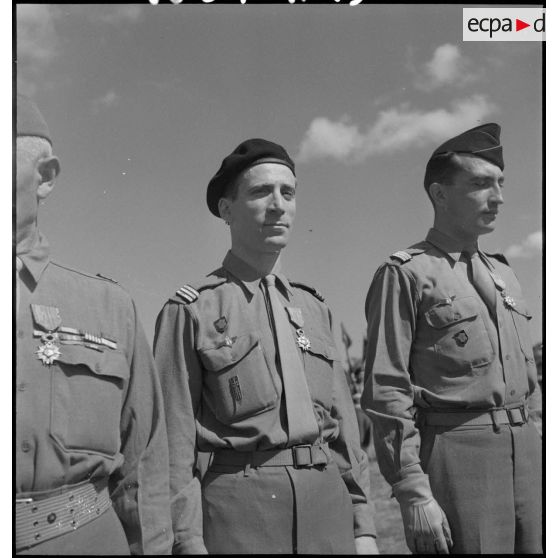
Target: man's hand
[(426, 526), (366, 545)]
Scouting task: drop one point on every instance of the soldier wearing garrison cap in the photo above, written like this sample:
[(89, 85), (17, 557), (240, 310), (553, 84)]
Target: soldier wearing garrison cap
[(450, 379), (251, 377), (91, 471)]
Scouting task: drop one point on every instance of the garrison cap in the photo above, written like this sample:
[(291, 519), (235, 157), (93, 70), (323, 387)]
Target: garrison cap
[(30, 121), (248, 154), (482, 141)]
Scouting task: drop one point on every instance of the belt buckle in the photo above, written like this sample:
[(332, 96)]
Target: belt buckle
[(298, 462), (23, 500), (513, 421)]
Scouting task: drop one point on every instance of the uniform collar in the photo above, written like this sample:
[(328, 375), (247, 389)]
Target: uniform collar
[(37, 258), (250, 278), (453, 248)]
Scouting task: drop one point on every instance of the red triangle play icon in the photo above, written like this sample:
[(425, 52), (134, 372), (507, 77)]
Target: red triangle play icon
[(519, 25)]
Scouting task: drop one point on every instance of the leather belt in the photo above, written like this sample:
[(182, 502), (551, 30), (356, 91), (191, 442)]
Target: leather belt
[(42, 516), (304, 455), (514, 416)]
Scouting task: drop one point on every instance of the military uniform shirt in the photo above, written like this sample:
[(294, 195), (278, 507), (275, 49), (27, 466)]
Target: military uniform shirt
[(222, 387), (93, 413), (432, 342)]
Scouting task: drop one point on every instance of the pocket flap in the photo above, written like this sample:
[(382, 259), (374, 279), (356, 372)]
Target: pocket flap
[(224, 355), (102, 363), (324, 348), (521, 308), (451, 312)]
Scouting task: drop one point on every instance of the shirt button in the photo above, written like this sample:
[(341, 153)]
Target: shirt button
[(25, 446), (20, 333), (508, 357), (22, 386), (512, 392)]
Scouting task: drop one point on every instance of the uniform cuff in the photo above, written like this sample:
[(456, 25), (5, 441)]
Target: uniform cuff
[(363, 518)]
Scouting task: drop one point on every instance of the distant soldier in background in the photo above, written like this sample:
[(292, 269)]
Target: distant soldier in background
[(91, 471), (355, 378), (451, 383), (251, 374)]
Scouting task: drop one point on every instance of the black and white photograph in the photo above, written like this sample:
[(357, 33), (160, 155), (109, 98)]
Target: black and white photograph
[(278, 278)]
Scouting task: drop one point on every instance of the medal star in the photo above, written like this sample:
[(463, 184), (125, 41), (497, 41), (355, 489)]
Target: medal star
[(48, 353), (509, 302), (302, 341)]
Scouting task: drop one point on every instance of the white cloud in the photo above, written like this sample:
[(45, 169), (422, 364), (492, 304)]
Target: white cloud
[(395, 129), (120, 14), (36, 37), (37, 43), (531, 246), (447, 67), (106, 101)]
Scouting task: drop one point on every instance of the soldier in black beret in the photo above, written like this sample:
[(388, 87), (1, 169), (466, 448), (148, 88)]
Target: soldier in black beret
[(450, 379), (252, 377), (91, 472)]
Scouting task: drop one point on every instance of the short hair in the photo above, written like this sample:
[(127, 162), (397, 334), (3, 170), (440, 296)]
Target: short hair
[(231, 189), (33, 148), (442, 169)]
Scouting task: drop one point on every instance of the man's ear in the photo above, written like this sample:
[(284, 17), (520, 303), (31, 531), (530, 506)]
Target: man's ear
[(225, 209), (49, 169), (437, 193)]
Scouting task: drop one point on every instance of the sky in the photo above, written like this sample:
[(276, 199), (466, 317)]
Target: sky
[(144, 102)]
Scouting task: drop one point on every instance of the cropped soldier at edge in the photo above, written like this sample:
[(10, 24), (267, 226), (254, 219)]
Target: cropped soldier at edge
[(450, 376), (91, 447)]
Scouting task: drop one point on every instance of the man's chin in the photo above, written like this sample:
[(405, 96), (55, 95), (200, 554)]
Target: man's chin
[(487, 228), (276, 243)]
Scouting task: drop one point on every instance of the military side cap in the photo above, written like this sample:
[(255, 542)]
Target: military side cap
[(482, 141), (248, 154), (30, 121)]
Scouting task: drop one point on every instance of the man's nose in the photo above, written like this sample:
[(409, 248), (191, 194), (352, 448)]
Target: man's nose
[(497, 195), (277, 203)]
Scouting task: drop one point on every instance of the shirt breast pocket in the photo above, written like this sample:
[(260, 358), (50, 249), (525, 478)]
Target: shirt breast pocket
[(458, 335), (238, 382), (521, 318), (87, 388), (318, 367)]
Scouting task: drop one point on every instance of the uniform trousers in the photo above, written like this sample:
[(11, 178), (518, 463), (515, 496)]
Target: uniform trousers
[(489, 484), (274, 510), (102, 536)]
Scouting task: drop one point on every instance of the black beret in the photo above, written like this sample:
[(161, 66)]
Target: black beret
[(482, 141), (248, 154), (30, 121)]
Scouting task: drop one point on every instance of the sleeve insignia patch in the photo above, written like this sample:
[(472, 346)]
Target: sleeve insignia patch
[(189, 294), (402, 256)]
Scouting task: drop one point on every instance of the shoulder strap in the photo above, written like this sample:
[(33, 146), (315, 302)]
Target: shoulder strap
[(403, 256), (106, 278), (190, 293), (309, 289)]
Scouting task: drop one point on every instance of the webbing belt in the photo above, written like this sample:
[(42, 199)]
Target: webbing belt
[(304, 455), (40, 517), (514, 416)]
